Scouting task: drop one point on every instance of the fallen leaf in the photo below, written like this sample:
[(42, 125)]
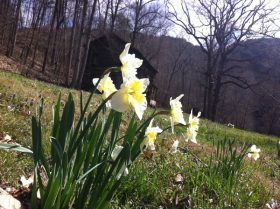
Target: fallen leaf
[(179, 178), (7, 201)]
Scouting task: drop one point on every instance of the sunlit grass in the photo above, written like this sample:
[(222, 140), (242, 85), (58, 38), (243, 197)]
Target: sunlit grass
[(151, 181)]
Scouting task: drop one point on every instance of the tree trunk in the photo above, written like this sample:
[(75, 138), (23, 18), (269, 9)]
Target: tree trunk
[(11, 46), (79, 53), (38, 21), (84, 60), (114, 12), (26, 32), (216, 98), (138, 8), (106, 16), (50, 36), (218, 86), (72, 38), (6, 9)]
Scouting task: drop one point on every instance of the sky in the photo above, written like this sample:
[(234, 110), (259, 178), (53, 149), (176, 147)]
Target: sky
[(179, 32)]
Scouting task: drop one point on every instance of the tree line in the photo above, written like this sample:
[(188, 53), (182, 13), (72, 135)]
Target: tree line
[(53, 36)]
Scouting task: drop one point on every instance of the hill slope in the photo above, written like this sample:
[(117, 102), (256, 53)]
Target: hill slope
[(151, 181)]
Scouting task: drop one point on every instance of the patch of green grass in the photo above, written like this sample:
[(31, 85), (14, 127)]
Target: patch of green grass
[(210, 131), (19, 99), (151, 182)]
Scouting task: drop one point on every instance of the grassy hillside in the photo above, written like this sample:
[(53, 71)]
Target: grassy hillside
[(191, 176)]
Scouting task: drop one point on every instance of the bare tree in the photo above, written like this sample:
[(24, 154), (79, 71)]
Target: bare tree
[(219, 27), (13, 32), (72, 39), (114, 8), (87, 43), (82, 54), (144, 15)]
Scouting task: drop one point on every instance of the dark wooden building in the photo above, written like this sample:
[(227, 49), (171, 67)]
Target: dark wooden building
[(104, 52)]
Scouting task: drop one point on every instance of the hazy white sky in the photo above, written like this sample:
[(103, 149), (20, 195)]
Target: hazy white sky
[(178, 31)]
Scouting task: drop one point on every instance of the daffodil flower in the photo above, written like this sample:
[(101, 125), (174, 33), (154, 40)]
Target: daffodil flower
[(194, 121), (116, 151), (254, 152), (191, 135), (174, 147), (129, 63), (193, 127), (132, 94), (150, 137), (176, 112), (106, 86), (26, 182)]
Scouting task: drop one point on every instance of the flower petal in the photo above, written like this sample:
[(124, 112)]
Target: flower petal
[(139, 108), (95, 80), (119, 100), (146, 83), (128, 73), (179, 97), (124, 52), (133, 62), (157, 129)]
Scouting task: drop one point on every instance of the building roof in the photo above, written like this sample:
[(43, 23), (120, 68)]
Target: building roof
[(115, 45), (104, 53)]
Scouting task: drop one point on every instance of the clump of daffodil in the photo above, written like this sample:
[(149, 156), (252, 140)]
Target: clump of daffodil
[(193, 127), (176, 112), (150, 137), (129, 63), (132, 94), (106, 86), (254, 152)]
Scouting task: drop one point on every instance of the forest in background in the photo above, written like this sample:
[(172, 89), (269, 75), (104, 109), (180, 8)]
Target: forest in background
[(232, 73)]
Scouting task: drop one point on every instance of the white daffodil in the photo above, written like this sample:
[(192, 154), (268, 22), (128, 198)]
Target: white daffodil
[(176, 112), (174, 147), (106, 86), (194, 121), (116, 151), (193, 127), (129, 63), (254, 152), (131, 94), (26, 182), (150, 137), (191, 135)]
